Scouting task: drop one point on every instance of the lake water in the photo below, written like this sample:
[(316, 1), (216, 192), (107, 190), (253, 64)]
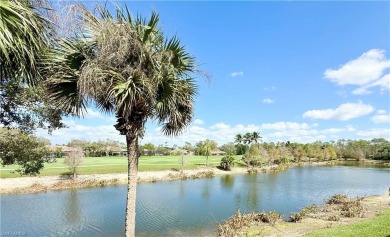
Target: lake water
[(184, 208)]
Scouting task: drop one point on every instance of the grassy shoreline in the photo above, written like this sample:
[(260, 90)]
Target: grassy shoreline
[(349, 217)]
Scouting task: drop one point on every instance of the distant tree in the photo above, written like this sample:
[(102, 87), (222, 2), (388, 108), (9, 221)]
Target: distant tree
[(252, 156), (256, 137), (247, 138), (22, 149), (150, 147), (238, 139), (73, 160), (229, 148), (188, 146)]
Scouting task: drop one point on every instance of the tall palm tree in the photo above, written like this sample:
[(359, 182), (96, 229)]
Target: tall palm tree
[(256, 137), (238, 139), (125, 66), (248, 138)]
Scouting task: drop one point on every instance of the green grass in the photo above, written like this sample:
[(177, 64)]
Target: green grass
[(378, 226), (115, 164)]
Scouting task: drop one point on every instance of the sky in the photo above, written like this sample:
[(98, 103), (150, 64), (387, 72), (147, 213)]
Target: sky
[(293, 71)]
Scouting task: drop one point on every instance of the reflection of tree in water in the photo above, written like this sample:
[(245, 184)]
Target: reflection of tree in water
[(182, 189), (252, 194), (249, 194), (206, 190), (73, 208), (227, 181)]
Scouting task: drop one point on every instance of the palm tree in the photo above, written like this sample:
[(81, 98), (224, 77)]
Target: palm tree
[(23, 40), (239, 139), (248, 138), (125, 66), (256, 136)]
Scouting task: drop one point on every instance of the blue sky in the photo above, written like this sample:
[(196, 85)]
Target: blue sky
[(293, 71)]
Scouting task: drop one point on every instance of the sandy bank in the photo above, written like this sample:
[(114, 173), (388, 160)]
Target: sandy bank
[(44, 183)]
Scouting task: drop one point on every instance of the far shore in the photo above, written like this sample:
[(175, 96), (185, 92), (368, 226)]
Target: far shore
[(33, 184), (44, 183)]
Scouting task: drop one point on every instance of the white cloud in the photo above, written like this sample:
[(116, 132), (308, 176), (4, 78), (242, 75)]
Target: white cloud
[(237, 74), (198, 122), (90, 113), (220, 126), (366, 72), (350, 128), (361, 71), (381, 117), (284, 126), (77, 131), (332, 130), (344, 112), (375, 133), (268, 101)]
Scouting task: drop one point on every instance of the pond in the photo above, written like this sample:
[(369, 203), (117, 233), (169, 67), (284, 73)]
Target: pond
[(184, 208)]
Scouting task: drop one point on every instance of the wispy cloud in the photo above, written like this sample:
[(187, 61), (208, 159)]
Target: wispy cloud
[(268, 101), (367, 71), (237, 74), (344, 112), (198, 122), (381, 117)]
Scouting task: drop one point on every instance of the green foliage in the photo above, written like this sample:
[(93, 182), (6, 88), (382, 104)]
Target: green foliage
[(252, 156), (22, 149), (227, 162), (24, 40), (377, 226)]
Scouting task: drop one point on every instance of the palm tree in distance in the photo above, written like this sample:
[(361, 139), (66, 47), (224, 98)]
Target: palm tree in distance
[(125, 66), (238, 139), (256, 137), (248, 139)]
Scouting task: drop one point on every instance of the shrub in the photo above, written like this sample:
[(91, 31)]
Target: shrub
[(234, 224), (295, 217), (334, 218), (352, 208), (227, 162), (309, 209), (337, 199), (268, 217)]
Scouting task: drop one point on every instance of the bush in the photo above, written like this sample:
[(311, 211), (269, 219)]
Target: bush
[(269, 217), (227, 162), (334, 218), (309, 209), (295, 217), (352, 209), (234, 224), (337, 199)]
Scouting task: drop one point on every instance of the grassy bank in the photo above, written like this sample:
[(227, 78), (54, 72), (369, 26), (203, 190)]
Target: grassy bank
[(340, 216), (378, 226), (115, 164)]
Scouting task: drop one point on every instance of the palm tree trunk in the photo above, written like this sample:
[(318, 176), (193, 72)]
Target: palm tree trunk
[(132, 155)]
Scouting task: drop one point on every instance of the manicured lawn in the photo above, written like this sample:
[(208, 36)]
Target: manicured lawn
[(115, 164), (378, 226)]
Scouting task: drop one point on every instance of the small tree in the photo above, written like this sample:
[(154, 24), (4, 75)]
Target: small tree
[(73, 160), (227, 162), (22, 149), (252, 155)]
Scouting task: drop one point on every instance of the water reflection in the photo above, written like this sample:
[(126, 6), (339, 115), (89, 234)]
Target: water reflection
[(184, 208), (72, 208), (227, 181)]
